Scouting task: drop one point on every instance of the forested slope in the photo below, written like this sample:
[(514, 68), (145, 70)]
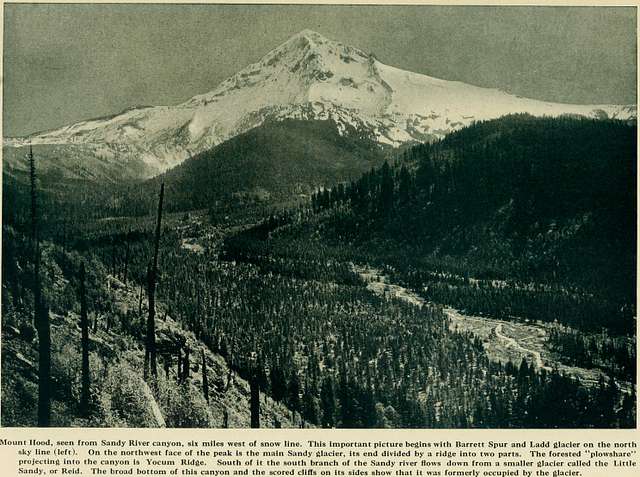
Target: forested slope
[(546, 203)]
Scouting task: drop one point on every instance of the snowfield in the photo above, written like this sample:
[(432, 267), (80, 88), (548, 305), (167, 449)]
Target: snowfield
[(307, 77)]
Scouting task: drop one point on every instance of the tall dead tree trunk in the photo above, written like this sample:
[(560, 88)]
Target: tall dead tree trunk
[(150, 334), (41, 311), (44, 366), (186, 365), (225, 418), (34, 207), (140, 302), (84, 326), (150, 352), (205, 379), (126, 259), (151, 284), (179, 369), (35, 243), (255, 399)]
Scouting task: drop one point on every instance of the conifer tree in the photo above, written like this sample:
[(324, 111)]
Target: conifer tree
[(41, 310), (278, 383), (205, 379), (294, 392), (309, 406), (255, 399), (386, 190), (404, 185), (84, 326), (328, 400), (150, 352)]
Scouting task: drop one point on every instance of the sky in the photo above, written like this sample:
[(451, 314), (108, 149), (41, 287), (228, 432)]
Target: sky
[(66, 63)]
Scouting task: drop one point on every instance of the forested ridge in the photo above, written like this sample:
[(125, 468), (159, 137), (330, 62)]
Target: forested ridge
[(277, 162), (545, 206)]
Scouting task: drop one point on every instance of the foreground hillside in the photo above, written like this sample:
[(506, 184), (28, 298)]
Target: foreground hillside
[(120, 395)]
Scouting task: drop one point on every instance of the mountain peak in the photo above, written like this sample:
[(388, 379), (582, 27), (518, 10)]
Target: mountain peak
[(308, 42), (301, 44), (295, 70), (307, 77), (310, 35)]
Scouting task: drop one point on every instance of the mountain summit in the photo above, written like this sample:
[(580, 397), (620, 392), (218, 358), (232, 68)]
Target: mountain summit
[(307, 77)]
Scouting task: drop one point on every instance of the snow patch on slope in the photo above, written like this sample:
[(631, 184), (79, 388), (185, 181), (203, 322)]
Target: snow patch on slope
[(307, 77)]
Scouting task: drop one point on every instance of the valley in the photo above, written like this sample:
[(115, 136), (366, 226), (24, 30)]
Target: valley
[(503, 341)]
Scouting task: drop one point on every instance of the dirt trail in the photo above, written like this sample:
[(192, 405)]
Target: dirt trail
[(513, 343)]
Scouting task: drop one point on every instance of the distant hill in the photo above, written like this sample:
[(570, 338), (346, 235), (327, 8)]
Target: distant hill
[(277, 161)]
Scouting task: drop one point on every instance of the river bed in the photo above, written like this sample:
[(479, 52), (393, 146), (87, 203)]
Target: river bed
[(503, 340)]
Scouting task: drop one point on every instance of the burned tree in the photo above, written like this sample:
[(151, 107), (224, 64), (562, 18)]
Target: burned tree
[(179, 368), (126, 258), (84, 326), (205, 379), (152, 272), (34, 193), (41, 311), (225, 418), (140, 301), (255, 399), (186, 365)]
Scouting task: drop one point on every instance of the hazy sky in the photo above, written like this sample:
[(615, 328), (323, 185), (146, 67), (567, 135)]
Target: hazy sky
[(64, 63)]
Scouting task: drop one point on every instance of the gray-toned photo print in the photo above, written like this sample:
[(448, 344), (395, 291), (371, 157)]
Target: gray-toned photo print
[(318, 216)]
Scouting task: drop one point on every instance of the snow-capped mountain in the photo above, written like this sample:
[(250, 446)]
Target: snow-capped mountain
[(307, 77)]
